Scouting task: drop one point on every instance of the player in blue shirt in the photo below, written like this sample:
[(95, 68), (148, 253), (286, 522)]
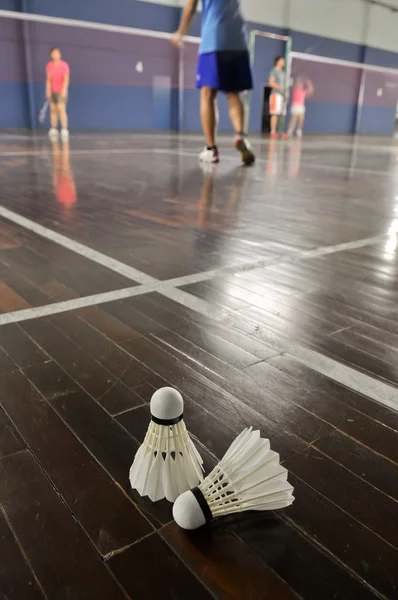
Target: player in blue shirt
[(223, 66)]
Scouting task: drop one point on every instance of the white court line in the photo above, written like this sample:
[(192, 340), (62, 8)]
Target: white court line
[(149, 283), (68, 305), (375, 389), (347, 376), (46, 151), (176, 152), (364, 384), (318, 252)]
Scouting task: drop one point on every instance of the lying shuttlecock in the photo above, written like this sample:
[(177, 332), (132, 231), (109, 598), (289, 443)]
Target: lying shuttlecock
[(249, 477), (167, 463)]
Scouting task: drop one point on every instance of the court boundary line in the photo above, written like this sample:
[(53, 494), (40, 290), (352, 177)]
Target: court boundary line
[(380, 392), (149, 283), (188, 154)]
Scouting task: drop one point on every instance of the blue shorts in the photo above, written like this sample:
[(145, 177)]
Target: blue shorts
[(226, 71)]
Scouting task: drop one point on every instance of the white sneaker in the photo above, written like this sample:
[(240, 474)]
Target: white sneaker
[(209, 156), (64, 135), (242, 144), (299, 133), (53, 134)]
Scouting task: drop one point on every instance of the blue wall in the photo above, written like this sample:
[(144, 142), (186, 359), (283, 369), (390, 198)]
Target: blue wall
[(108, 93)]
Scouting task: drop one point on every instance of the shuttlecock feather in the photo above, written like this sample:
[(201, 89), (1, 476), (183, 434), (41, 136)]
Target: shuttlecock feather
[(167, 463), (249, 477)]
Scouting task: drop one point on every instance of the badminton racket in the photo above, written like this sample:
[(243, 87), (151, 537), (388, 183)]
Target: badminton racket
[(43, 113)]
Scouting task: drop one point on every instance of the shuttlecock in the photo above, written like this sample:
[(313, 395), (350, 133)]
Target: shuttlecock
[(249, 477), (167, 463)]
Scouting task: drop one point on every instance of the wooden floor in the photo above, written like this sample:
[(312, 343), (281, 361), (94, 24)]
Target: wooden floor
[(267, 296)]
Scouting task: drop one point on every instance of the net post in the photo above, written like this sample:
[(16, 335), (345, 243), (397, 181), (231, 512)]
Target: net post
[(248, 97), (28, 69), (288, 70), (361, 93), (181, 88)]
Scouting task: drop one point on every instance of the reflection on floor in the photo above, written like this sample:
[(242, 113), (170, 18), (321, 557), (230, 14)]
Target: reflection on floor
[(266, 295)]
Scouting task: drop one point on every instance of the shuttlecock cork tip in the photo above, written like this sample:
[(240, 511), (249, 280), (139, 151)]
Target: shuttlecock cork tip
[(167, 406), (187, 511)]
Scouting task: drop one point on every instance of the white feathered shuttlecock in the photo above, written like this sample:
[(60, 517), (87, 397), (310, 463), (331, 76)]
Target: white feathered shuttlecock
[(249, 477), (167, 463)]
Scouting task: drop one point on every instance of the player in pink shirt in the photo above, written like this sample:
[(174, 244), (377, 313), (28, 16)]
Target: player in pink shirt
[(301, 91), (57, 86)]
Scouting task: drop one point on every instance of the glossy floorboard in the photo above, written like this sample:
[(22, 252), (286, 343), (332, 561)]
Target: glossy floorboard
[(249, 268)]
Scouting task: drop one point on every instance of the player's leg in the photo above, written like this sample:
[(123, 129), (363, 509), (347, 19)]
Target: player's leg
[(236, 77), (208, 114), (236, 112), (208, 83), (274, 124), (53, 133), (301, 123), (275, 106), (237, 116), (209, 122), (293, 123), (63, 117)]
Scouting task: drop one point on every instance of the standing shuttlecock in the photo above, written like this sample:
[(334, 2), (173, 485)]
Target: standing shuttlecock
[(249, 477), (167, 463)]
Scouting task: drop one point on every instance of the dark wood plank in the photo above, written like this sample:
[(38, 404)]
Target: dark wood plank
[(227, 345), (297, 326), (305, 566), (61, 556), (225, 565), (113, 328), (287, 307), (332, 411), (10, 441), (320, 342), (138, 322), (171, 579), (107, 389), (106, 514), (266, 400), (336, 541), (356, 303), (80, 274), (361, 500), (237, 413), (51, 380), (207, 291), (22, 350), (353, 307), (362, 551), (372, 467), (255, 282), (365, 294), (379, 344), (10, 300), (110, 444), (6, 364), (30, 294), (317, 382), (358, 357), (113, 358), (180, 319), (273, 275), (17, 580)]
